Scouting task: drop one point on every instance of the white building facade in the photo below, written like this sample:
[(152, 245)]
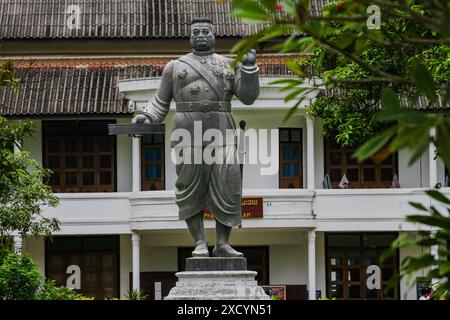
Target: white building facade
[(119, 221), (307, 237)]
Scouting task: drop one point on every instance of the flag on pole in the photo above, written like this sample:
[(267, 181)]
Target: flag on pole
[(343, 184), (326, 183), (395, 182)]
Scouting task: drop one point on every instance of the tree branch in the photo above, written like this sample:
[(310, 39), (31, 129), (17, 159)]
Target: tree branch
[(332, 47)]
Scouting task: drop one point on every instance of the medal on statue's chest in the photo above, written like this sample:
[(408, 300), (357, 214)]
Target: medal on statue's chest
[(228, 74), (221, 69), (217, 67)]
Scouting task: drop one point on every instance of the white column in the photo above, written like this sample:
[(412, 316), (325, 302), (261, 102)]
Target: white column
[(136, 164), (311, 185), (18, 243), (435, 253), (433, 160), (17, 146), (312, 265), (17, 239), (136, 243)]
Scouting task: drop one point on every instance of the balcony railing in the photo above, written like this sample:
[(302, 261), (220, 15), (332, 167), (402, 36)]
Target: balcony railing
[(282, 208)]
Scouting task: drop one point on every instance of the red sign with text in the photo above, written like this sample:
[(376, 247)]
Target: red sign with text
[(252, 208)]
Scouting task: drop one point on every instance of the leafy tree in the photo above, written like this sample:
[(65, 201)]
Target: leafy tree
[(51, 292), (405, 59), (354, 62), (7, 73), (23, 191), (21, 280)]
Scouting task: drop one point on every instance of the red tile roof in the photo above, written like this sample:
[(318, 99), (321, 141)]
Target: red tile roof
[(89, 86), (48, 19)]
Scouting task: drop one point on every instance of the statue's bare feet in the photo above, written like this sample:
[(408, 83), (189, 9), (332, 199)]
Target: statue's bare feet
[(201, 249), (226, 250)]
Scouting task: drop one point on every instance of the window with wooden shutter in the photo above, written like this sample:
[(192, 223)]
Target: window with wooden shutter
[(81, 156), (97, 258), (366, 174), (290, 172), (152, 162), (348, 256)]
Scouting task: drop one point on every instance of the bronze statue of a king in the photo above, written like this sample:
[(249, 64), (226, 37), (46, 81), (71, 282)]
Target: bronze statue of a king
[(202, 83)]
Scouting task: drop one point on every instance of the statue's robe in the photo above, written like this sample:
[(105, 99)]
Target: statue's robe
[(202, 87)]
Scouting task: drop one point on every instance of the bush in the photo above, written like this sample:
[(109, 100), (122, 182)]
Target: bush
[(136, 295), (21, 280), (51, 292)]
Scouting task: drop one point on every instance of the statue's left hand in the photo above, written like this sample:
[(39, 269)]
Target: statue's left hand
[(249, 59)]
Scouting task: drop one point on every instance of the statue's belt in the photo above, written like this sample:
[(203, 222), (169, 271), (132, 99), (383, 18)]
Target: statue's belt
[(204, 106)]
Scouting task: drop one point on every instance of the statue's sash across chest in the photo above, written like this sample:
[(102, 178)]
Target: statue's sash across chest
[(193, 80)]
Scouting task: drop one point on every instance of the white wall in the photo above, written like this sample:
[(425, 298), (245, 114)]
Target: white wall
[(151, 259), (123, 160), (33, 144), (159, 259), (125, 263), (266, 119), (318, 154), (441, 171), (321, 264), (288, 264), (416, 175), (288, 258), (408, 288), (35, 247)]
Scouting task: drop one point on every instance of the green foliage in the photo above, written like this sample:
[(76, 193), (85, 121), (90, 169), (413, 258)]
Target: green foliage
[(356, 63), (439, 268), (7, 74), (6, 247), (411, 130), (407, 58), (334, 298), (136, 295), (437, 61), (21, 280), (52, 292), (345, 119), (23, 191)]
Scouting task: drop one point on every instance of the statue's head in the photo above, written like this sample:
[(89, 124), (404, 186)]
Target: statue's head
[(202, 36)]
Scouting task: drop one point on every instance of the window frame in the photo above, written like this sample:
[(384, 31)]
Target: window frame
[(84, 250), (80, 154), (360, 167), (282, 180), (361, 267), (147, 182)]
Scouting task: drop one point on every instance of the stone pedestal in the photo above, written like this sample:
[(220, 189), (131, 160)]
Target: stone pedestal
[(216, 264), (216, 279)]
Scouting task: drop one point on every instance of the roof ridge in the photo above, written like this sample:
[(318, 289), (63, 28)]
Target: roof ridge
[(107, 19)]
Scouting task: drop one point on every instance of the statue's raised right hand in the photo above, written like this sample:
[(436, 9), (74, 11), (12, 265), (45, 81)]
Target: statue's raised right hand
[(249, 59)]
